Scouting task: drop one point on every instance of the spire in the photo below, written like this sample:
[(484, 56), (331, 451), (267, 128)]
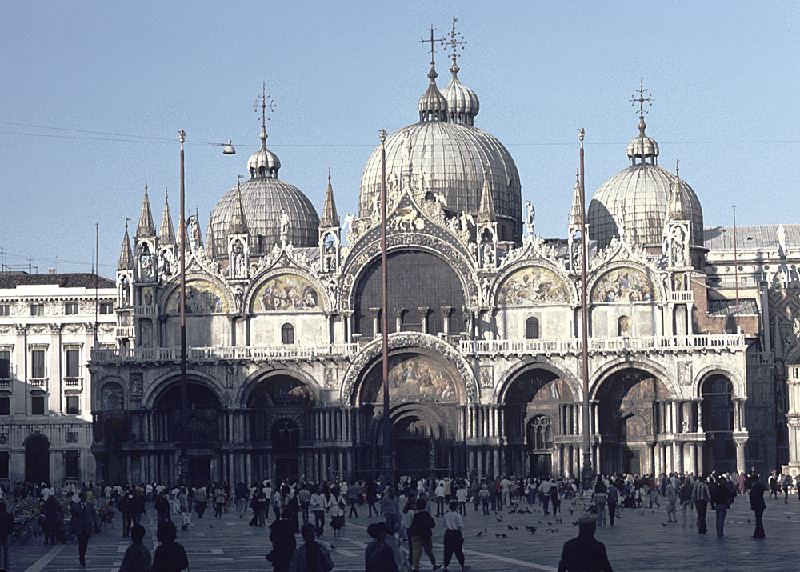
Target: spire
[(126, 256), (676, 210), (146, 225), (264, 163), (166, 234), (329, 215), (211, 249), (486, 212), (432, 105), (238, 224), (575, 210)]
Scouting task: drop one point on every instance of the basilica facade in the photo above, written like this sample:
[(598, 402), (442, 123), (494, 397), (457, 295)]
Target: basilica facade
[(484, 317)]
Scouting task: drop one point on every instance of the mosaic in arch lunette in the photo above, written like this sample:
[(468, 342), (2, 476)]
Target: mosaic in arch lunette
[(623, 285), (287, 292), (202, 297), (414, 376), (530, 285)]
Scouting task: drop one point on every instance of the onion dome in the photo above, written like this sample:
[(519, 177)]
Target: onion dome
[(462, 103), (643, 147), (146, 227), (126, 256), (638, 199), (432, 105)]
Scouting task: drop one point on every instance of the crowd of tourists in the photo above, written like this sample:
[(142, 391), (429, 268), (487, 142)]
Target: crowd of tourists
[(407, 511)]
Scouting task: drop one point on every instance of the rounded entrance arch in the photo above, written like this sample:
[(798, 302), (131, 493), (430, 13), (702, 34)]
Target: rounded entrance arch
[(203, 419), (115, 433), (37, 459), (631, 414), (537, 407), (718, 423)]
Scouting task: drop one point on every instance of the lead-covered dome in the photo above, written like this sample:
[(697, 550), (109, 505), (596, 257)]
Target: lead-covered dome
[(462, 103), (264, 198), (451, 160), (636, 200)]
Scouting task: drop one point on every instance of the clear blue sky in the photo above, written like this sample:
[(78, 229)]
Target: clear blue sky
[(81, 78)]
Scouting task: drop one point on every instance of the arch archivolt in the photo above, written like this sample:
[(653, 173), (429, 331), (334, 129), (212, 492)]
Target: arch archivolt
[(98, 388), (516, 371), (652, 275), (608, 369), (427, 412), (715, 369), (361, 363), (264, 374), (198, 276), (164, 381), (534, 263), (356, 266), (275, 271)]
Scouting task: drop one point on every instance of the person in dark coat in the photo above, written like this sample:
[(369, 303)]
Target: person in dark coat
[(83, 522), (721, 501), (585, 553), (53, 516), (421, 532), (6, 528), (170, 556), (137, 556), (758, 505), (281, 535)]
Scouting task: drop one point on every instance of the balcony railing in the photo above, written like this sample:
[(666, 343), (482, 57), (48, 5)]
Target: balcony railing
[(704, 342), (282, 352), (38, 381), (5, 383), (681, 296), (145, 310), (72, 382), (124, 332)]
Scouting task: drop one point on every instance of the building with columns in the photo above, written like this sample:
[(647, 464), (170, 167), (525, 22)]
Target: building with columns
[(687, 371), (48, 325)]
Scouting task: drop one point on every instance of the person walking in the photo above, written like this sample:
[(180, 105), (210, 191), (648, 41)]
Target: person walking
[(685, 496), (200, 500), (6, 528), (241, 491), (137, 556), (83, 522), (317, 504), (281, 535), (700, 497), (390, 509), (380, 555), (372, 498), (186, 511), (336, 508), (484, 496), (721, 501), (612, 500), (220, 498), (304, 499), (53, 517), (421, 532), (599, 498), (171, 555), (312, 556), (584, 553), (758, 505), (672, 500), (453, 538)]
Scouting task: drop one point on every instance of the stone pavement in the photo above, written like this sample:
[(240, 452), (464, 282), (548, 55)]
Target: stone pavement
[(639, 541)]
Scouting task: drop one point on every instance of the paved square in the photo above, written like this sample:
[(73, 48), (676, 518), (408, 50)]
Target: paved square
[(639, 541)]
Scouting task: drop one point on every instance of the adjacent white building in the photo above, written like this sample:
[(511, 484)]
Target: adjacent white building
[(47, 330)]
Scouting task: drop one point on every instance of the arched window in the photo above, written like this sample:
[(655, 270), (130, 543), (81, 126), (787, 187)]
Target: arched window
[(623, 326), (287, 334), (532, 328)]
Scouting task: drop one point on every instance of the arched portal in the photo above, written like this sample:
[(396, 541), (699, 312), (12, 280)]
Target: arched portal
[(426, 393), (279, 419), (717, 411), (37, 459), (538, 410), (631, 409)]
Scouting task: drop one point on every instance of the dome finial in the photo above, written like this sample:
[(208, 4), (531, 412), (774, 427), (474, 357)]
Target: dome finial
[(641, 100), (454, 40), (264, 117), (642, 147), (432, 105)]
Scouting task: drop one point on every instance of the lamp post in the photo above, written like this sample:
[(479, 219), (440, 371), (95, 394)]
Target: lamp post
[(387, 464), (184, 455), (586, 471)]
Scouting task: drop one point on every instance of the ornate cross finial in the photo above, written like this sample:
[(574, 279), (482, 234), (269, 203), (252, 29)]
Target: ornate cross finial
[(641, 100), (145, 188), (453, 41), (166, 194), (329, 175), (432, 42), (264, 107), (677, 164), (127, 218)]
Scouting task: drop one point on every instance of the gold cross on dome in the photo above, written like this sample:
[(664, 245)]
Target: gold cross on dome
[(641, 100), (453, 41), (432, 42)]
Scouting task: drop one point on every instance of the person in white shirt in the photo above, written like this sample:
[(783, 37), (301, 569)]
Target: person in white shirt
[(453, 540), (317, 505)]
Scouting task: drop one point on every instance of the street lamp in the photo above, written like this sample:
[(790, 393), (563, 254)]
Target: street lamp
[(184, 458)]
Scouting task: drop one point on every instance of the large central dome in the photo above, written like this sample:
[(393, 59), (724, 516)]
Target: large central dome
[(452, 159)]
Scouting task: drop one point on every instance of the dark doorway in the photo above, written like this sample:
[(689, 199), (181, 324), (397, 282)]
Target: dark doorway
[(717, 408), (37, 459), (541, 465), (286, 449), (414, 446), (200, 470), (115, 468)]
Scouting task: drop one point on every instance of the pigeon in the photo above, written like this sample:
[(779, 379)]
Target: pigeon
[(332, 547), (531, 529), (480, 533), (787, 516), (512, 527), (500, 519), (558, 520), (549, 523), (501, 535), (575, 523), (664, 524), (572, 511), (539, 521)]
